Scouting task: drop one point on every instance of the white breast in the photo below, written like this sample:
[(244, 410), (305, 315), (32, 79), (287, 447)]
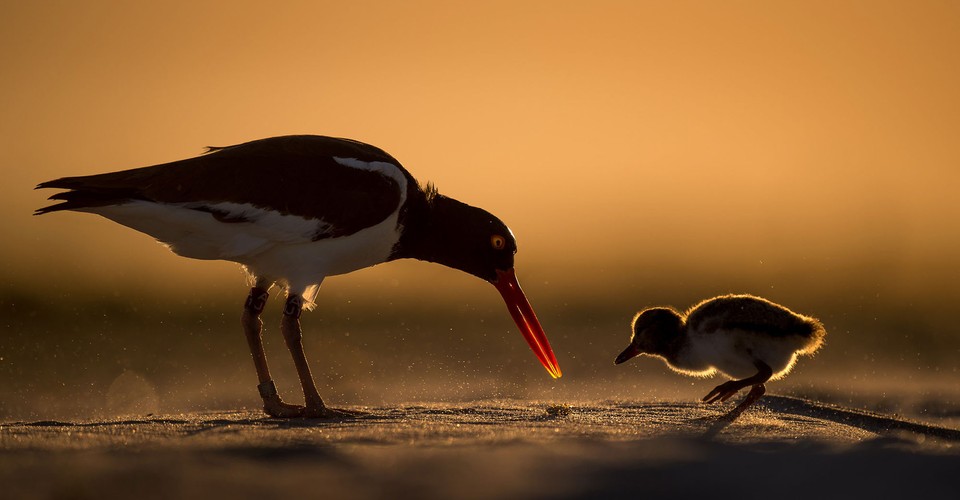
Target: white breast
[(733, 353)]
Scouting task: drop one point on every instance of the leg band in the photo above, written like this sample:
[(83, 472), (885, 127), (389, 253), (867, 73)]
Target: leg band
[(293, 307), (268, 390), (257, 300)]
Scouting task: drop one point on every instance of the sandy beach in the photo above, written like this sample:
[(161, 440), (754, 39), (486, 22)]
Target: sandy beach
[(487, 449)]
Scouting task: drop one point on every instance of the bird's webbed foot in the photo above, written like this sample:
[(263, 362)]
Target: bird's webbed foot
[(278, 409), (274, 406), (325, 412)]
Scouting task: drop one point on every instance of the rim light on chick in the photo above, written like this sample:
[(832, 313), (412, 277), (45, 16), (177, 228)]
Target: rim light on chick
[(746, 338)]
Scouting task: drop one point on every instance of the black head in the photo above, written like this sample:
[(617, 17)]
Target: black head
[(472, 240), (656, 331), (467, 238)]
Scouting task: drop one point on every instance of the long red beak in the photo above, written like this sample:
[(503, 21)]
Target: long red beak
[(526, 319)]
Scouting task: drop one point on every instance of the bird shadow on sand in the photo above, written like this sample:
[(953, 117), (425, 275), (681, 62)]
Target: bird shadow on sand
[(868, 421), (200, 422)]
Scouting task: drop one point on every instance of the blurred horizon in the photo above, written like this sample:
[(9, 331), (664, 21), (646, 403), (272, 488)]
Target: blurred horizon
[(644, 153)]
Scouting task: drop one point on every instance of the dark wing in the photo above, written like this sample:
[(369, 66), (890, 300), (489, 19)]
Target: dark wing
[(745, 312), (292, 175)]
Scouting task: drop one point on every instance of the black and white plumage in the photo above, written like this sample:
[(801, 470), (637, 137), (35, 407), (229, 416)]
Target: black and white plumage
[(747, 338), (273, 205), (295, 209)]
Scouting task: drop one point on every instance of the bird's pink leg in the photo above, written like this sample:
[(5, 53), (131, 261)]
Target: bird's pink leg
[(290, 327), (726, 390), (253, 328), (292, 335)]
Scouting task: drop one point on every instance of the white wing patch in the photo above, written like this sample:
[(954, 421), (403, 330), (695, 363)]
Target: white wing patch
[(383, 168)]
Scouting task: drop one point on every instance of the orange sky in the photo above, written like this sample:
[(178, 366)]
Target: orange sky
[(611, 135)]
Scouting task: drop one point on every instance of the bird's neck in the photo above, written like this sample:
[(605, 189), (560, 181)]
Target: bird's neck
[(451, 233), (422, 229), (672, 346)]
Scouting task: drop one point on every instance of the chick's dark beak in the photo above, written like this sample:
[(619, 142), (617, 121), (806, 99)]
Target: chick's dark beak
[(629, 353)]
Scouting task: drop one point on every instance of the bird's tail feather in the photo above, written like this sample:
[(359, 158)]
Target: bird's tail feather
[(82, 194), (816, 338)]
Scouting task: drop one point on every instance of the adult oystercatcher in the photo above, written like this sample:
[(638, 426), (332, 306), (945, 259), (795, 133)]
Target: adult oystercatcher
[(293, 210), (747, 338)]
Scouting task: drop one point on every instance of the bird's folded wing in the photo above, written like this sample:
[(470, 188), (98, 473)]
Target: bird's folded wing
[(747, 314), (345, 186)]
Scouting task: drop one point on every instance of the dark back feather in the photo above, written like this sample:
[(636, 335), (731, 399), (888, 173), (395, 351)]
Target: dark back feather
[(746, 312), (299, 170)]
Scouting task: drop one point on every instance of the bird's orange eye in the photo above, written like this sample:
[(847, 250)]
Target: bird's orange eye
[(498, 242)]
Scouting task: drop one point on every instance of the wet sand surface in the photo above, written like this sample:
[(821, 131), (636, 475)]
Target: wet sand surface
[(787, 447)]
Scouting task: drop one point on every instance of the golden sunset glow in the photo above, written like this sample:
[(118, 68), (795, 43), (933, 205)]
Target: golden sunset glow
[(642, 153), (784, 172), (615, 135)]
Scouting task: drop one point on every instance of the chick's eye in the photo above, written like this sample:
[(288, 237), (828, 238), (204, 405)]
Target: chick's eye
[(498, 242)]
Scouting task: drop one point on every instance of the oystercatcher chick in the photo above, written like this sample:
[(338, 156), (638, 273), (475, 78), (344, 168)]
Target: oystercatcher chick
[(293, 210), (746, 338)]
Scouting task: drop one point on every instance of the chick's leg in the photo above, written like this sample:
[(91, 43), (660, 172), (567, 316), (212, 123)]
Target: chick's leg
[(726, 390)]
